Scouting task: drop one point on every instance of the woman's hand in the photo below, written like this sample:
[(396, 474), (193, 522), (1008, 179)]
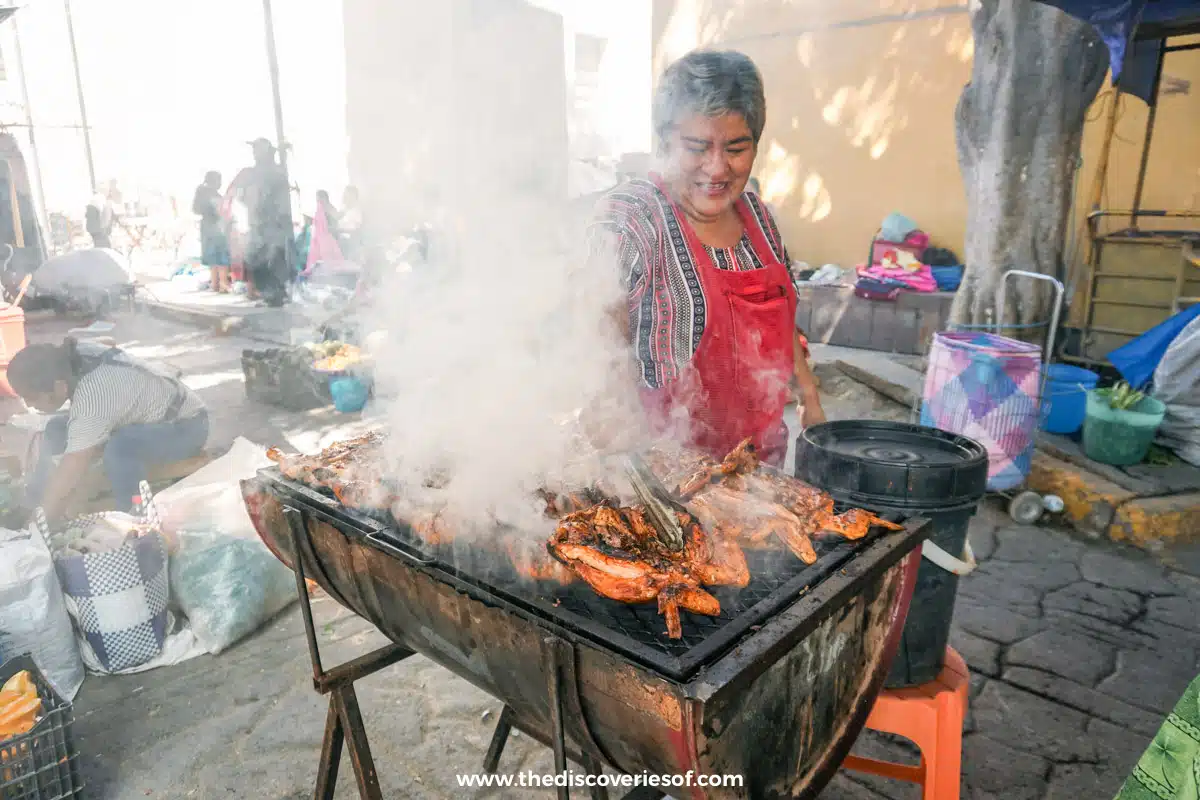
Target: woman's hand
[(808, 396)]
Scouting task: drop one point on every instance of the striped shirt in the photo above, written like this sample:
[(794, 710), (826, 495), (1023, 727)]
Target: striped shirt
[(637, 225), (113, 395)]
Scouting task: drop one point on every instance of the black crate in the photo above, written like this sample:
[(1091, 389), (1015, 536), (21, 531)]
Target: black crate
[(41, 764), (284, 377)]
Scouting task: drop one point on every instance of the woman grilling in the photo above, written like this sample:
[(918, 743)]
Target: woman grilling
[(711, 312)]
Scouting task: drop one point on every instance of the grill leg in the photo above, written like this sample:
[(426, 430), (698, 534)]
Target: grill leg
[(593, 768), (331, 753), (360, 749), (499, 739), (343, 722), (558, 735)]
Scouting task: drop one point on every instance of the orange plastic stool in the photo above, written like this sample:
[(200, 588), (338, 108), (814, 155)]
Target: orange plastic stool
[(931, 716)]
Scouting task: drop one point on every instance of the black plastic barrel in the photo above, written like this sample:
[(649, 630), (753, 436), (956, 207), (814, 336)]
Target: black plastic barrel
[(895, 467)]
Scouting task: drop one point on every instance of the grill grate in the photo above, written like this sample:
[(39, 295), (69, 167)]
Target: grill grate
[(769, 571), (636, 631)]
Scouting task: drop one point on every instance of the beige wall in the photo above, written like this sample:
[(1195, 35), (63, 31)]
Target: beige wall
[(860, 118)]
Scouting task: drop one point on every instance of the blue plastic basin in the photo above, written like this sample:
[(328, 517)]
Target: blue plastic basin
[(349, 394), (1066, 397)]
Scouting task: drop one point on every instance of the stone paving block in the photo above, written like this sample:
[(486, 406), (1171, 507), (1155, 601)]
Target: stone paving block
[(982, 537), (1182, 612), (1032, 724), (1114, 605), (987, 589), (1102, 630), (1069, 655), (993, 770), (1150, 680), (1077, 781), (1085, 699), (1033, 543), (1168, 638), (994, 622), (1090, 501), (1117, 748), (1151, 522), (844, 787), (1124, 570), (1041, 576), (980, 654)]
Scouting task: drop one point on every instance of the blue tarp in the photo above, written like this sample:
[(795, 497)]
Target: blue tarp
[(1137, 360), (1117, 21)]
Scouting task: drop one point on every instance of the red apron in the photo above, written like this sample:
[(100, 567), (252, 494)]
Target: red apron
[(738, 381)]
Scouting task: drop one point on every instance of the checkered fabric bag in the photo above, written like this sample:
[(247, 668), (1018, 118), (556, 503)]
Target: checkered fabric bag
[(987, 387), (118, 599)]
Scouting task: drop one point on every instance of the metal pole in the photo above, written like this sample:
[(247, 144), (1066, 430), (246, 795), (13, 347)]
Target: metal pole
[(35, 162), (273, 65), (87, 137), (1141, 178)]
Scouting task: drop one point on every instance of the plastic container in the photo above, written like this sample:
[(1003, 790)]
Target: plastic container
[(913, 470), (1066, 397), (1120, 437), (12, 339), (349, 393), (41, 764), (948, 279), (284, 377)]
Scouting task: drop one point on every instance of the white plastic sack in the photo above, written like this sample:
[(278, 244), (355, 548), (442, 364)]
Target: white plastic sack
[(223, 578), (210, 499), (1177, 384), (33, 613)]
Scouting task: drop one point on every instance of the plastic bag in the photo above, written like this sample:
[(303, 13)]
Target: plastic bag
[(223, 578), (228, 586), (1177, 383), (33, 613), (210, 499)]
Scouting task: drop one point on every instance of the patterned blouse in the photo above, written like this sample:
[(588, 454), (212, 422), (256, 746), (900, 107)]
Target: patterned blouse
[(666, 300)]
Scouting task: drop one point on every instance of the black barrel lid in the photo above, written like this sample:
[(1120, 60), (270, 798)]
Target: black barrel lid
[(882, 465)]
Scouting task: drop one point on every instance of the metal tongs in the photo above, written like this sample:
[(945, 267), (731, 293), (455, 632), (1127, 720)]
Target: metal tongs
[(662, 506)]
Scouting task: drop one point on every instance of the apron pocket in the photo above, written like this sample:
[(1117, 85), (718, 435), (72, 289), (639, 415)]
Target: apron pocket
[(763, 348)]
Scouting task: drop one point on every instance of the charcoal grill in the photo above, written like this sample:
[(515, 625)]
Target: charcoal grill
[(776, 689)]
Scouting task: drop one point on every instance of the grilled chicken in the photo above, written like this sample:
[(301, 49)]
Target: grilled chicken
[(348, 469), (618, 553)]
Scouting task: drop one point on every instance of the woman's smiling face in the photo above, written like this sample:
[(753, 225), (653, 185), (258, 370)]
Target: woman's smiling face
[(709, 163)]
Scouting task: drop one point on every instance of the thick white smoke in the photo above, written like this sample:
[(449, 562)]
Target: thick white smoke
[(489, 361)]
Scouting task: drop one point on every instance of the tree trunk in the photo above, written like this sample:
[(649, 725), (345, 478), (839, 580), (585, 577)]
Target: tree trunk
[(1019, 124)]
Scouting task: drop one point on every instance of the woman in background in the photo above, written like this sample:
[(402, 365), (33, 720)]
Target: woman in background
[(711, 305), (214, 241)]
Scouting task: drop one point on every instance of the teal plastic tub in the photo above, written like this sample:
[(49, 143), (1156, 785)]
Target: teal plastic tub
[(1120, 437), (349, 393)]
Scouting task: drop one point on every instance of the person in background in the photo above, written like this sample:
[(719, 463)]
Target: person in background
[(101, 216), (124, 412), (349, 224), (263, 189), (214, 241), (710, 315)]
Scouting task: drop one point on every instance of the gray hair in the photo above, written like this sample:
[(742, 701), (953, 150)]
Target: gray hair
[(709, 82)]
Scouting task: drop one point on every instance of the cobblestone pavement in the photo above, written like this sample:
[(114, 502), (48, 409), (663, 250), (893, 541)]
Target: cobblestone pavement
[(1077, 652)]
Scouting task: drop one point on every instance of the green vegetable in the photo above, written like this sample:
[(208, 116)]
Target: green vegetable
[(1122, 397)]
